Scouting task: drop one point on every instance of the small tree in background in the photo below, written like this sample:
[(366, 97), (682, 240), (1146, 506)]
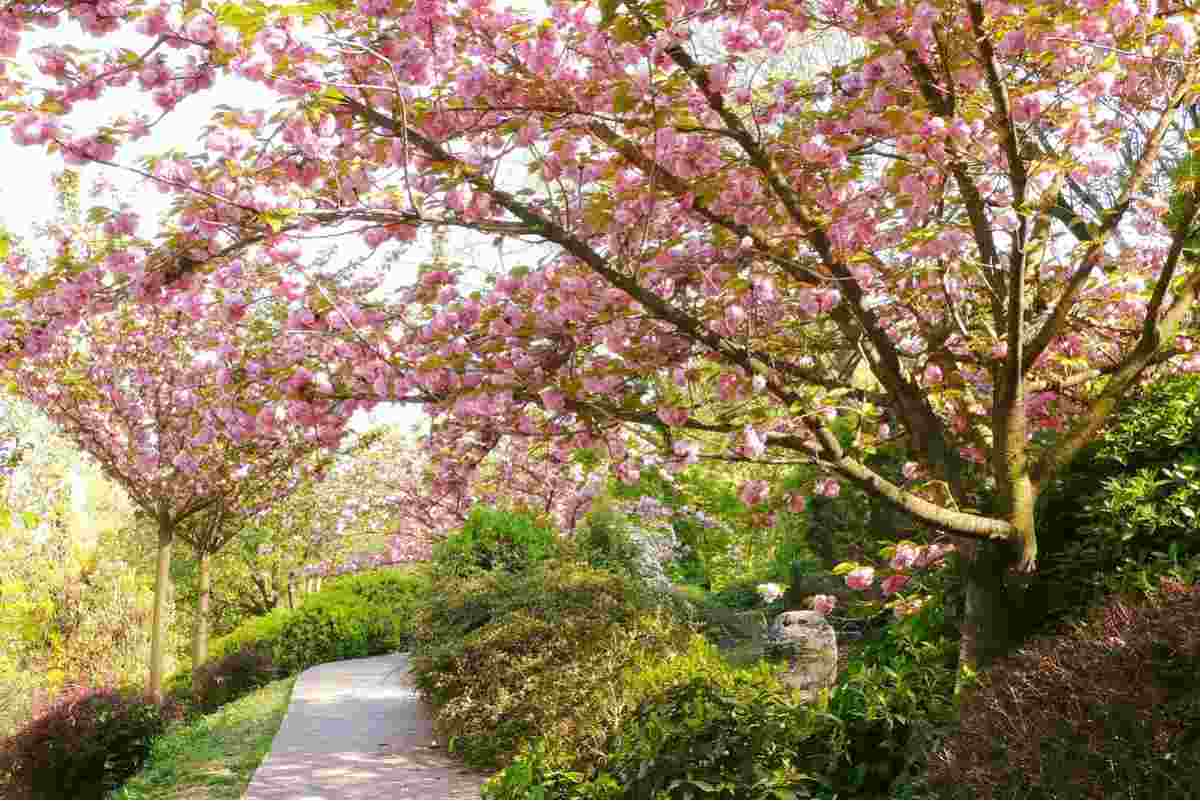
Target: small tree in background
[(161, 400)]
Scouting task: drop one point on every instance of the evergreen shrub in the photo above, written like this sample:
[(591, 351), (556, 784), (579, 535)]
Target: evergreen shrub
[(494, 539)]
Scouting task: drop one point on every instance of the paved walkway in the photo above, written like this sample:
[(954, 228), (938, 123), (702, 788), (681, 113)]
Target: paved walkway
[(357, 729)]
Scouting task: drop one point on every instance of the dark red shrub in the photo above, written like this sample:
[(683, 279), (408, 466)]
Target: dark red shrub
[(219, 681), (1110, 708), (85, 744)]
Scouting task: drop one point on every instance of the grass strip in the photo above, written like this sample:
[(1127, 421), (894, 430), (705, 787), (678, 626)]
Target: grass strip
[(215, 755)]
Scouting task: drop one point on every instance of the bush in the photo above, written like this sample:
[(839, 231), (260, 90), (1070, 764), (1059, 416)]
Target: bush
[(895, 699), (1109, 708), (83, 746), (691, 726), (393, 587), (705, 729), (494, 539), (354, 616), (326, 629), (1125, 499), (253, 632), (507, 658), (217, 682)]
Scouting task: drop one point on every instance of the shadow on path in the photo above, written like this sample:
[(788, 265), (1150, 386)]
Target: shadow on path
[(358, 729)]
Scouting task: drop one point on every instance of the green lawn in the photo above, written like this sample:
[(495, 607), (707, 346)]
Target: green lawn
[(213, 756)]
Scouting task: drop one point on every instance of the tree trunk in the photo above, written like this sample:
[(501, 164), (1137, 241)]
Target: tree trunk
[(821, 522), (291, 590), (986, 604), (993, 604), (200, 633), (158, 636)]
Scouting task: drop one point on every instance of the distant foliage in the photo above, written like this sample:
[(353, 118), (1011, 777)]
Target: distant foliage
[(84, 745), (353, 616), (494, 539), (1108, 709), (603, 540)]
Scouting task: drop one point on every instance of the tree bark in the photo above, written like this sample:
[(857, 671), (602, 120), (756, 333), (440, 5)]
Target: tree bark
[(158, 636), (200, 633), (986, 604), (822, 521)]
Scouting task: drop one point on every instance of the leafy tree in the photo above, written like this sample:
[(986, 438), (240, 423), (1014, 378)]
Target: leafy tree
[(914, 241)]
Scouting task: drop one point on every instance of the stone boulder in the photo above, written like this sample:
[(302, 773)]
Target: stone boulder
[(809, 645)]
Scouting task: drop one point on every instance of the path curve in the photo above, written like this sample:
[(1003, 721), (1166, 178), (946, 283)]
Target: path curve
[(358, 729)]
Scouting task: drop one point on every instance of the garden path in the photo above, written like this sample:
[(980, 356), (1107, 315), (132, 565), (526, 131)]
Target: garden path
[(357, 729)]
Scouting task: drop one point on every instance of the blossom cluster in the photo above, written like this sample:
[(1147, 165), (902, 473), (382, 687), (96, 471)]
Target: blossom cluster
[(904, 557)]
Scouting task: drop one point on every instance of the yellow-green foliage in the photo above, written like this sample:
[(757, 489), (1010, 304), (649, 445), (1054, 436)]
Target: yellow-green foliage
[(510, 657), (686, 724), (361, 615)]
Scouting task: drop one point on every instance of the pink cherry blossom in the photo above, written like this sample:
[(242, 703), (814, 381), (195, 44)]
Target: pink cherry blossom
[(754, 492), (860, 578), (828, 487), (823, 604)]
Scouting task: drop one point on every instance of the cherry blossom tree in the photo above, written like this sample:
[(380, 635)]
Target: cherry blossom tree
[(160, 401), (911, 242)]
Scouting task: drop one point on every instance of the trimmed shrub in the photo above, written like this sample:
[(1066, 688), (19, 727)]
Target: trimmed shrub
[(1109, 708), (494, 539), (392, 587), (361, 615), (326, 629), (217, 682), (260, 631), (83, 746), (507, 658)]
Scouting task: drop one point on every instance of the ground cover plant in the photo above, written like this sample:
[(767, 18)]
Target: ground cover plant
[(212, 756)]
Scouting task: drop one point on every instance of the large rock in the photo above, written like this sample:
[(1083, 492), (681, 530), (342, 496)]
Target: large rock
[(809, 644)]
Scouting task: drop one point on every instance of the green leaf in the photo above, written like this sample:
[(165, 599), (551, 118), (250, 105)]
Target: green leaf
[(277, 218), (623, 101), (608, 10)]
